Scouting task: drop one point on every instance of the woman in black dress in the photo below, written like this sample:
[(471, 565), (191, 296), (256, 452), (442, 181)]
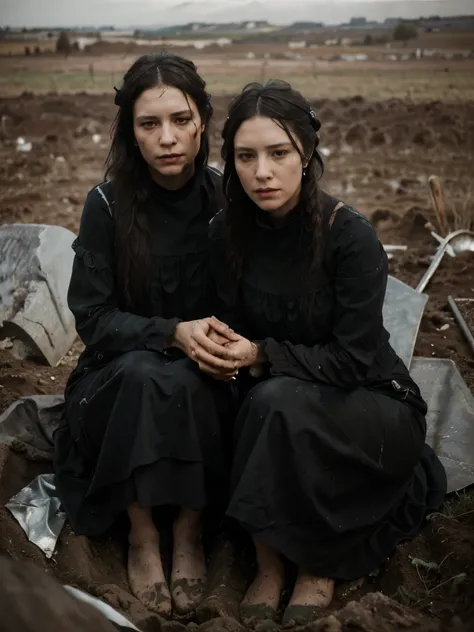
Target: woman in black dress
[(330, 467), (143, 424)]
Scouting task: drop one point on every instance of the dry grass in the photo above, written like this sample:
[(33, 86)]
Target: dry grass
[(463, 212), (420, 81), (458, 195), (459, 504), (458, 214), (455, 40), (11, 47)]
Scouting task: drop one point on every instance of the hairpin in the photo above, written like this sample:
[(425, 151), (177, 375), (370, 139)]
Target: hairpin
[(315, 122)]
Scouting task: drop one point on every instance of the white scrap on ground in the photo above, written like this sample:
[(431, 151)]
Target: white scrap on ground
[(23, 145), (35, 270)]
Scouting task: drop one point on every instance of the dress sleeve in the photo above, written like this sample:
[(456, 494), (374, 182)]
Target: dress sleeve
[(228, 307), (93, 296), (359, 270)]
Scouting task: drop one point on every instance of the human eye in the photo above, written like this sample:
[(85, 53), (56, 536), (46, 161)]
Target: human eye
[(148, 124), (182, 120), (281, 153), (244, 156)]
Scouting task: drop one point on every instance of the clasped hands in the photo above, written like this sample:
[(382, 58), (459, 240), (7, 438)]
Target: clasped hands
[(215, 347)]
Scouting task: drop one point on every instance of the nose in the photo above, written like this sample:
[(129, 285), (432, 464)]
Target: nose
[(263, 169), (167, 136)]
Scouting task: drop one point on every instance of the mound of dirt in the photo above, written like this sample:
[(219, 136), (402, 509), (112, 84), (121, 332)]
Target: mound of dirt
[(403, 122), (356, 133), (424, 138), (377, 138)]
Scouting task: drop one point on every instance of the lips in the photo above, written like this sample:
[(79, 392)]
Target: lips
[(170, 159), (264, 192)]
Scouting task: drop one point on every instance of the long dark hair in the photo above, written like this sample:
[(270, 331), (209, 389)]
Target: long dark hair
[(129, 172), (289, 109)]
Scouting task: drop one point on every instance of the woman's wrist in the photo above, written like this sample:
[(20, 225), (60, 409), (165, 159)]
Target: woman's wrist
[(260, 357)]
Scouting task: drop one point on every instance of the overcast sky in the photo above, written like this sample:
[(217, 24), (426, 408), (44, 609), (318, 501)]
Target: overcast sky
[(123, 13)]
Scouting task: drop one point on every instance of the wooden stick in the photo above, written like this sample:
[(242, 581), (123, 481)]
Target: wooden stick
[(439, 205)]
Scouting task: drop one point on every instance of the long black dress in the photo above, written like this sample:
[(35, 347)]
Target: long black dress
[(330, 464), (142, 423)]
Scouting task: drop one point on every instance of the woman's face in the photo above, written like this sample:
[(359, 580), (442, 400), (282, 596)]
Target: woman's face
[(268, 165), (168, 129)]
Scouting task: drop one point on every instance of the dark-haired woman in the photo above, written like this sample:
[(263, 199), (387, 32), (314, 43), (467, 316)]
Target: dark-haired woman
[(330, 468), (142, 425)]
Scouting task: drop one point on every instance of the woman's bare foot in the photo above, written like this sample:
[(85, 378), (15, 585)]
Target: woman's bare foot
[(188, 577), (145, 570), (263, 595), (311, 595)]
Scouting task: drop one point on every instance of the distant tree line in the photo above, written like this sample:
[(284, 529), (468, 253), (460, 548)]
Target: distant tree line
[(405, 31), (64, 46)]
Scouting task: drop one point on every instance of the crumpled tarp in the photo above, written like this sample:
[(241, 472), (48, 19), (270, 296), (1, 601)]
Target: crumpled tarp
[(120, 622), (27, 426), (38, 511)]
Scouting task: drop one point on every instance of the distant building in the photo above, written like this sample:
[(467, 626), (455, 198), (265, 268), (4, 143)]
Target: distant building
[(358, 22), (303, 26), (455, 23), (301, 44)]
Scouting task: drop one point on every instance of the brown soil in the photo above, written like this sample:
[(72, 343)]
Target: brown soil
[(381, 157), (466, 307)]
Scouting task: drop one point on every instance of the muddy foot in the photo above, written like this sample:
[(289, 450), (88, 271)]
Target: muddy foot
[(301, 615), (262, 598), (147, 579), (311, 596), (188, 577), (187, 594)]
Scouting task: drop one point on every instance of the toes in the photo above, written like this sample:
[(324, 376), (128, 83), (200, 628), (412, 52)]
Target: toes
[(161, 599), (156, 599), (187, 594), (250, 614), (302, 615), (149, 599)]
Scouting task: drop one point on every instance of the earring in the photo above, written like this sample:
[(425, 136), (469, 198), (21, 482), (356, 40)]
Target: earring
[(304, 173)]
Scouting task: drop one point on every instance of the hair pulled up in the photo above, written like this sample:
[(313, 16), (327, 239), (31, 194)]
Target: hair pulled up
[(293, 113)]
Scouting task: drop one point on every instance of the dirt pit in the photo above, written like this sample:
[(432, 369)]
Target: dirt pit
[(378, 157)]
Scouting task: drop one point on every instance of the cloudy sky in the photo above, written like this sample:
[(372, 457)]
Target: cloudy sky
[(123, 13)]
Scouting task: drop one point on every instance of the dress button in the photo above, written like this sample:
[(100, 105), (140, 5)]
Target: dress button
[(100, 356)]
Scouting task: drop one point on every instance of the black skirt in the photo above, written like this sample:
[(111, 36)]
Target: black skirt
[(331, 479), (144, 428)]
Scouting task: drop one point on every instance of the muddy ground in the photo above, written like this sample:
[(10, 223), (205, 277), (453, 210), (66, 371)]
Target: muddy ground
[(378, 158)]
